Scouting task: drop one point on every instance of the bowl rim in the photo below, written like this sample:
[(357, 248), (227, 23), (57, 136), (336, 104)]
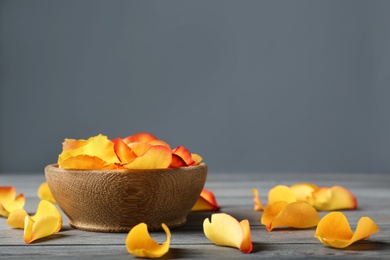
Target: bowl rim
[(186, 168)]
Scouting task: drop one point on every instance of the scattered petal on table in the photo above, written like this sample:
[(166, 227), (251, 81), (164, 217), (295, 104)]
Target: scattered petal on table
[(16, 218), (334, 198), (140, 244), (225, 230), (44, 192), (206, 201), (8, 202), (256, 200), (334, 230), (298, 214), (304, 191), (281, 193)]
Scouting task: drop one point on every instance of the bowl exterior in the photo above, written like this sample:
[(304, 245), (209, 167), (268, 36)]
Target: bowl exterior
[(117, 200)]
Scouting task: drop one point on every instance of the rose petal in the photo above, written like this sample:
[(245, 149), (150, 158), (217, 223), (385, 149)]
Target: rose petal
[(98, 146), (197, 158), (304, 191), (70, 144), (44, 192), (140, 244), (85, 162), (177, 162), (123, 151), (139, 148), (206, 201), (40, 227), (159, 142), (184, 154), (139, 137), (156, 157), (225, 230), (333, 230), (8, 202), (47, 208), (16, 218), (298, 214), (281, 193), (334, 198), (256, 200)]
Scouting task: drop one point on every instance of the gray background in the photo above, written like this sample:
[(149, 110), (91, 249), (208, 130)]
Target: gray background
[(252, 86)]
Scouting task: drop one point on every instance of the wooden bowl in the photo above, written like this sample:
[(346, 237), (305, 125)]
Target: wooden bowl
[(117, 200)]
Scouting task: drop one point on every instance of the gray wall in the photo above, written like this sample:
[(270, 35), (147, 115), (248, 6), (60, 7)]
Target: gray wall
[(260, 86)]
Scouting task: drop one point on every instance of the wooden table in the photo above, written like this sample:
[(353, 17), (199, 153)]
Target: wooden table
[(233, 193)]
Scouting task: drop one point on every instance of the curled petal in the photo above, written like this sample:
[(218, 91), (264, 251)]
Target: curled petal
[(304, 191), (16, 218), (43, 226), (225, 230), (123, 151), (281, 193), (156, 157), (206, 201), (298, 214), (44, 193), (334, 230), (183, 153), (256, 200), (177, 162), (140, 244), (139, 137), (7, 194), (47, 208), (197, 158), (334, 198)]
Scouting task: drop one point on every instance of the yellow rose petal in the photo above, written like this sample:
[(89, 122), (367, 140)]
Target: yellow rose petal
[(225, 230), (16, 218), (304, 191), (44, 192), (256, 200), (140, 244), (47, 208), (281, 193), (298, 214), (8, 202), (333, 198), (197, 158), (42, 226), (156, 157), (334, 230)]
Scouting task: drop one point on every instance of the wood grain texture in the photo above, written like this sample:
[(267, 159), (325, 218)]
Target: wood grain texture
[(117, 200), (235, 198)]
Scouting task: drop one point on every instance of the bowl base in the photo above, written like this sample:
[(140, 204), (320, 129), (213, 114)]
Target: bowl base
[(124, 229)]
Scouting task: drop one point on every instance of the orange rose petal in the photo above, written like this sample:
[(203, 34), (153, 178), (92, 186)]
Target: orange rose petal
[(177, 162), (139, 148), (246, 245), (140, 244), (197, 158), (206, 201), (44, 192), (159, 142), (40, 227), (156, 157), (225, 230), (70, 144), (123, 151), (298, 214), (334, 230), (256, 200), (184, 154), (139, 137), (281, 193), (303, 191), (7, 194), (86, 162), (334, 198), (16, 218)]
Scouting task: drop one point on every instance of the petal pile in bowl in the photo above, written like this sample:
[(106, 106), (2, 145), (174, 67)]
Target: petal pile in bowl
[(139, 151)]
